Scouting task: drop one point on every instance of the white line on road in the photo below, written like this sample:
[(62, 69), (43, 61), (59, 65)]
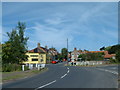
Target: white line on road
[(114, 72), (68, 71), (63, 76), (46, 85)]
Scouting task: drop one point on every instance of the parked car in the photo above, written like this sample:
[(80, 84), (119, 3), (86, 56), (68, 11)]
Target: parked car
[(57, 61), (53, 62)]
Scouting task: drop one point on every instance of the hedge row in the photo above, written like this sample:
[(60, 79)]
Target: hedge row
[(12, 67)]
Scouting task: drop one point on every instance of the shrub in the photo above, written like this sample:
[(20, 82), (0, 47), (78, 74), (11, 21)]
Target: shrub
[(26, 68), (11, 67)]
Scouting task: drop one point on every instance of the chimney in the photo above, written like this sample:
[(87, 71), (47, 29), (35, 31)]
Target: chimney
[(46, 47), (38, 45), (75, 49)]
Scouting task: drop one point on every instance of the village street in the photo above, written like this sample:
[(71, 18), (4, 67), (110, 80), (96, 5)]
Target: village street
[(60, 76)]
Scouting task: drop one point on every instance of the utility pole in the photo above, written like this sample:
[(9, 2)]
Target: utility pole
[(67, 51)]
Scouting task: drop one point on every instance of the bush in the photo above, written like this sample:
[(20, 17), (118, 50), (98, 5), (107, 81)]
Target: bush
[(112, 60), (11, 67), (26, 68)]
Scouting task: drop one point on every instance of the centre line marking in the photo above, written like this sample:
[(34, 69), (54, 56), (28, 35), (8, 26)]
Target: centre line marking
[(68, 71), (63, 76), (46, 85)]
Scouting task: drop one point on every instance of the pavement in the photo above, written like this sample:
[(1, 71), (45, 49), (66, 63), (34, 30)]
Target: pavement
[(60, 76)]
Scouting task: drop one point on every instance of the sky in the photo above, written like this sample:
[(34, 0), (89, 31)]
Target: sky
[(87, 25)]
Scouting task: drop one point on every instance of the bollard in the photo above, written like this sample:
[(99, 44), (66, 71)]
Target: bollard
[(23, 67), (38, 67)]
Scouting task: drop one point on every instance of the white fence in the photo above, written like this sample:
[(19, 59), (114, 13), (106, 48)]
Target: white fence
[(90, 63)]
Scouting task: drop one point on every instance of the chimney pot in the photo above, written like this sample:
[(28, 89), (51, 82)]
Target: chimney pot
[(38, 45), (75, 49), (46, 47)]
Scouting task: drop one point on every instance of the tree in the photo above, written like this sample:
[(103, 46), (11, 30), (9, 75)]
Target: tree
[(91, 56), (118, 56), (82, 57), (15, 48), (64, 53), (114, 49), (60, 57), (107, 48), (103, 48)]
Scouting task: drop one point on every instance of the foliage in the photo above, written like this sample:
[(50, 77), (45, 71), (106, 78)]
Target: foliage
[(60, 57), (82, 57), (118, 56), (103, 48), (15, 48), (112, 60), (13, 67), (64, 53), (107, 48), (91, 56), (114, 49)]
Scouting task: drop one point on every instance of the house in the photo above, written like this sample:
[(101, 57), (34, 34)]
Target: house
[(36, 57), (74, 55)]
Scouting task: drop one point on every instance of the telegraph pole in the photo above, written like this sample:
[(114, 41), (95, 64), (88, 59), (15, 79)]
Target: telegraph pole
[(67, 51)]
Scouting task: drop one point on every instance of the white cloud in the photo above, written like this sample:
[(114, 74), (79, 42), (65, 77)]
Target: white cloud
[(76, 21), (51, 36), (54, 21)]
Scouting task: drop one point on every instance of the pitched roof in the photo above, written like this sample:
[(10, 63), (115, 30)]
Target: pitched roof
[(109, 55), (38, 50)]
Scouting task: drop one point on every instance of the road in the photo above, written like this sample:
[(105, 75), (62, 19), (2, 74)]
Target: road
[(60, 76)]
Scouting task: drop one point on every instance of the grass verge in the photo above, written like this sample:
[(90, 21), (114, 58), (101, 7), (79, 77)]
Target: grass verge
[(11, 76)]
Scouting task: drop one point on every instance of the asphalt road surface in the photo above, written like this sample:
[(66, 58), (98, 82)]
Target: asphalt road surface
[(60, 76)]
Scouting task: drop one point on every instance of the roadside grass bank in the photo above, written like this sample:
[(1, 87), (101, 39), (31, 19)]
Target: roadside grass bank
[(11, 76)]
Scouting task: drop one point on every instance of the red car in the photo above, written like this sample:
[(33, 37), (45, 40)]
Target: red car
[(54, 62)]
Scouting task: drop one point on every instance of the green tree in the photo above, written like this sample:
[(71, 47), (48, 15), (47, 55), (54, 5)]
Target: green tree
[(82, 56), (15, 48), (64, 53), (91, 56), (114, 49), (102, 48), (108, 48), (118, 56), (60, 57)]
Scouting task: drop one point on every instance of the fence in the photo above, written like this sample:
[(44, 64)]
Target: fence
[(90, 63)]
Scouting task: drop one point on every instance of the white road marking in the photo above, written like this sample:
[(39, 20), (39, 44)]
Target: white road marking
[(46, 84), (68, 71), (114, 72), (63, 75)]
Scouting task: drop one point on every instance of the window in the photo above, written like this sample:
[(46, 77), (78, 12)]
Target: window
[(34, 59), (41, 60), (33, 55), (41, 56)]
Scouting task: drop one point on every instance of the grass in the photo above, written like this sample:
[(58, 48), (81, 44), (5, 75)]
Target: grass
[(21, 75)]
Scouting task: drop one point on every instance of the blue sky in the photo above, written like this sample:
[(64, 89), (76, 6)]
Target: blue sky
[(87, 25)]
